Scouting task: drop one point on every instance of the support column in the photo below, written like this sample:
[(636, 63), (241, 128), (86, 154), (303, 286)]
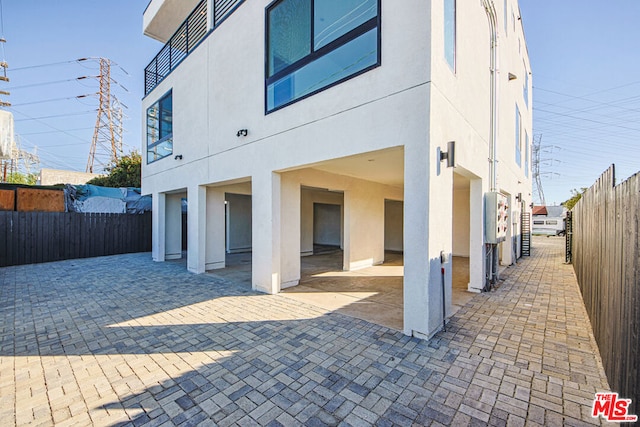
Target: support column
[(290, 232), (265, 223), (173, 226), (215, 230), (158, 226), (417, 265), (476, 236), (196, 224), (363, 228)]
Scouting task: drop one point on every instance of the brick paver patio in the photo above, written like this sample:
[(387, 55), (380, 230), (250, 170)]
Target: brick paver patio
[(121, 339)]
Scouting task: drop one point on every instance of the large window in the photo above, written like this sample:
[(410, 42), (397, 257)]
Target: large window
[(518, 131), (314, 44), (450, 32), (160, 129)]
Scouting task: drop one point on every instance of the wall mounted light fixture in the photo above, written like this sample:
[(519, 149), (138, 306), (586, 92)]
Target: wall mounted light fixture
[(178, 157), (242, 132), (512, 76), (449, 155)]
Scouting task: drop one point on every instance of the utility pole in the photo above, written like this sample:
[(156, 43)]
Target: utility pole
[(106, 144), (7, 148)]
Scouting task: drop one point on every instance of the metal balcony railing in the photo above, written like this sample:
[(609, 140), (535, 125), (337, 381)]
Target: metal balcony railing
[(183, 41)]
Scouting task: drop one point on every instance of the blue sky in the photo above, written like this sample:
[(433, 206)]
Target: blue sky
[(584, 56), (44, 32), (586, 98)]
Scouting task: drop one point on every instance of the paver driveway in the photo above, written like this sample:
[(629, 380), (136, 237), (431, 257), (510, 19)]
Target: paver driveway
[(124, 340)]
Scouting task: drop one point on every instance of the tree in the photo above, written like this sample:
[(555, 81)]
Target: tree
[(575, 196), (125, 172), (22, 178)]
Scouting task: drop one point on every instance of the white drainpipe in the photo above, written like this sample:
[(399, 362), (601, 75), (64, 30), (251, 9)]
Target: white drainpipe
[(492, 250), (493, 140)]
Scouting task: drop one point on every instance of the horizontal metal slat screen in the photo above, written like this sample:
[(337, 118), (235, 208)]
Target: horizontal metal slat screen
[(188, 35)]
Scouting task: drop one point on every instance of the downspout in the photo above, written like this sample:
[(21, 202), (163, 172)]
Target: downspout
[(492, 249), (493, 68)]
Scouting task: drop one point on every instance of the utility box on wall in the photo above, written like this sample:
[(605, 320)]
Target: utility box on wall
[(496, 217)]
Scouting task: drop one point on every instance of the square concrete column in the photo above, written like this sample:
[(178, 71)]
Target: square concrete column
[(173, 226), (417, 262), (363, 228), (265, 223), (158, 226), (476, 236), (215, 234), (290, 232), (196, 225)]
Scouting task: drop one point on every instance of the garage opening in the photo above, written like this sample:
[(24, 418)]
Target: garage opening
[(373, 293), (327, 227)]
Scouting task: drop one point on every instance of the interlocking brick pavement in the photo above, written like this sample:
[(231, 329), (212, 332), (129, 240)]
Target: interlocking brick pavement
[(124, 341)]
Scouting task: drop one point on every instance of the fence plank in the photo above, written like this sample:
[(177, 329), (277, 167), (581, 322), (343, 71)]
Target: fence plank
[(4, 255), (606, 259), (29, 237)]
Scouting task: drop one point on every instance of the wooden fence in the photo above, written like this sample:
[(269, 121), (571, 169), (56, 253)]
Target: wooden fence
[(606, 259), (34, 237)]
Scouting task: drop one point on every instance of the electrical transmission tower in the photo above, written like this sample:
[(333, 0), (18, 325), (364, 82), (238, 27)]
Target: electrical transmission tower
[(535, 165), (106, 144)]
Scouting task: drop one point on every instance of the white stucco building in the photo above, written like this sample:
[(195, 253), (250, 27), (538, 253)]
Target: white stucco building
[(322, 121)]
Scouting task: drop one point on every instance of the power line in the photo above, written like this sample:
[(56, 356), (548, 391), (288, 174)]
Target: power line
[(587, 120), (48, 83), (54, 131), (52, 127), (50, 64), (79, 113), (584, 98), (55, 99)]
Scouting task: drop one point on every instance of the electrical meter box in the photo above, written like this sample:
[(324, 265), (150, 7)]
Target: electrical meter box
[(496, 217)]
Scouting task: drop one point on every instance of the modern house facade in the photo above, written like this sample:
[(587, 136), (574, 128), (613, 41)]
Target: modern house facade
[(372, 125)]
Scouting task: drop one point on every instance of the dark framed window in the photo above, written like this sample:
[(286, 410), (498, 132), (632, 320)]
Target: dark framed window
[(160, 129), (315, 44)]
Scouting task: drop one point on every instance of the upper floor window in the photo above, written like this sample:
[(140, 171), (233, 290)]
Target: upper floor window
[(525, 89), (518, 131), (450, 32), (526, 154), (312, 45), (160, 129), (505, 17)]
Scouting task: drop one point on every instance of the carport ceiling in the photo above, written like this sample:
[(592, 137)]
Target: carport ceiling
[(385, 166)]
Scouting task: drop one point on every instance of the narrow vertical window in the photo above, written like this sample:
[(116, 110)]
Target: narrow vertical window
[(518, 131), (450, 32), (525, 89), (160, 129), (526, 154), (505, 17)]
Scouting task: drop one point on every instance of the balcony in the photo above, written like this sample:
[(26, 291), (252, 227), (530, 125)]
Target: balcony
[(161, 18), (186, 38)]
